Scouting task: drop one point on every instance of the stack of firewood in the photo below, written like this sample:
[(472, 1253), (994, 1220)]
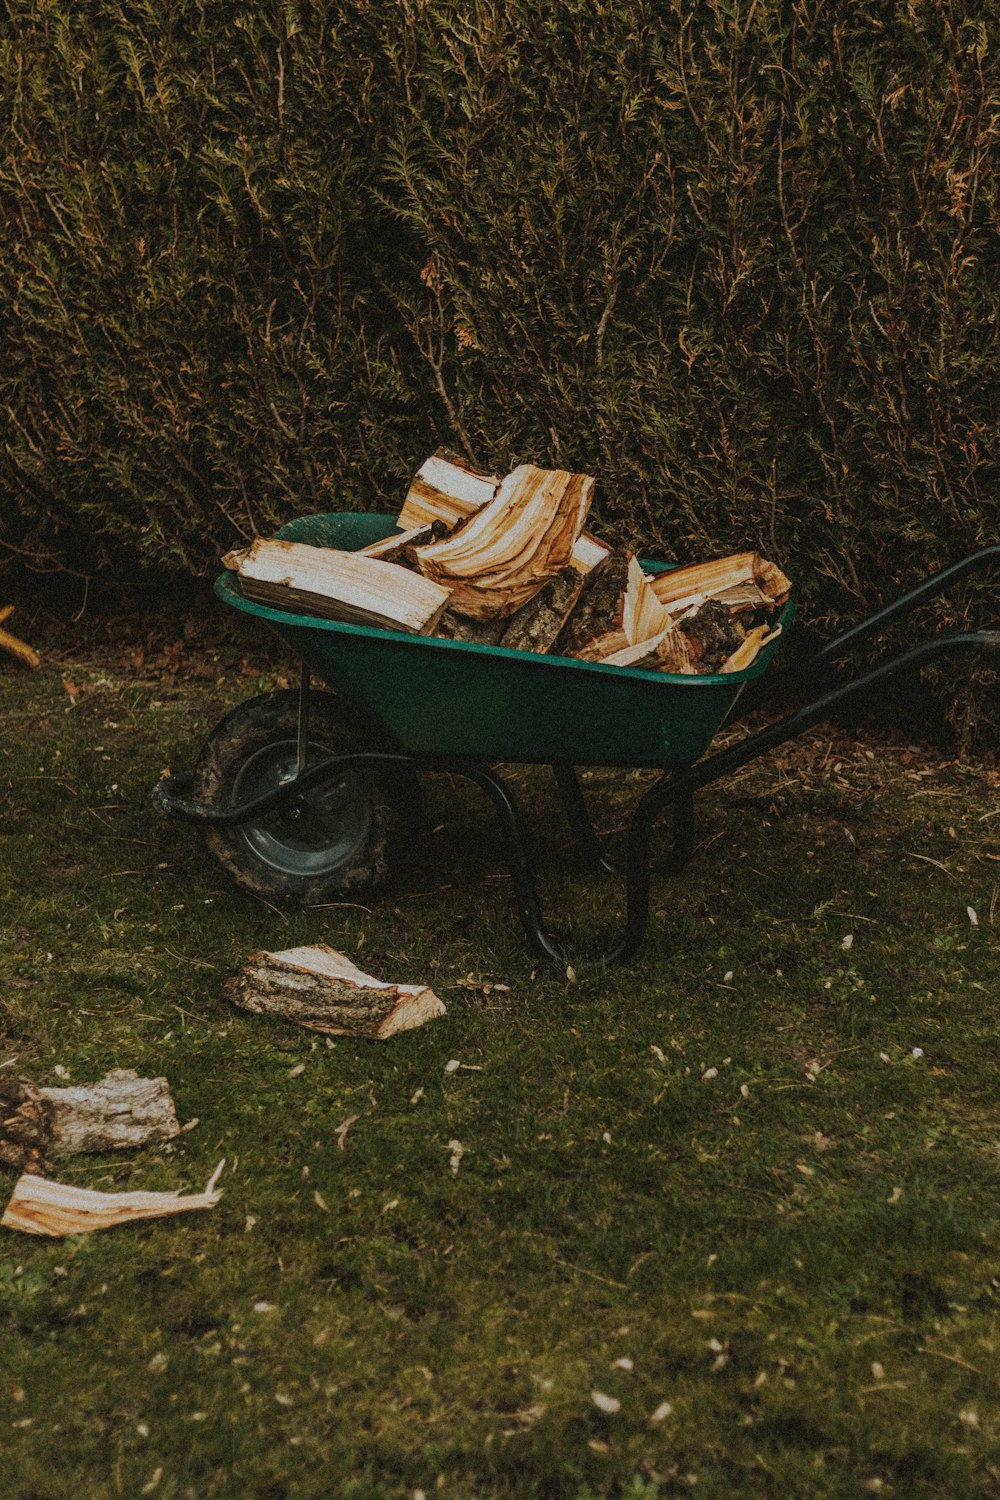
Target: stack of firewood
[(507, 562)]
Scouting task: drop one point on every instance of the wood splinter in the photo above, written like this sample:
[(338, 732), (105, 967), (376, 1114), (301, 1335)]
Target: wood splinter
[(38, 1206)]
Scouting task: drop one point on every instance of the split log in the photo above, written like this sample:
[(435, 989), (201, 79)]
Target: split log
[(337, 585), (536, 625), (603, 646), (495, 561), (595, 610), (682, 588), (322, 989), (455, 627), (714, 634), (118, 1113), (400, 547), (446, 489), (643, 615), (38, 1206)]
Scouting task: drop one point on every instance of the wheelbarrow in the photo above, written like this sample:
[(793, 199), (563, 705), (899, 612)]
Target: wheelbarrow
[(306, 797)]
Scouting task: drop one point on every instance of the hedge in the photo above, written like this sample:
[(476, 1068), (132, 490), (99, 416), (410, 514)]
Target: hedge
[(736, 259)]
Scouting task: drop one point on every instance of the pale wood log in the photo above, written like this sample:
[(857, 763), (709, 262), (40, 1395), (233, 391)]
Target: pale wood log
[(447, 489), (497, 559), (38, 1206), (320, 988), (694, 583), (337, 585), (643, 615)]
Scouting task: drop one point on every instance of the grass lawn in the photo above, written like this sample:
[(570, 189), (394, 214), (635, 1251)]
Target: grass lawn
[(747, 1188)]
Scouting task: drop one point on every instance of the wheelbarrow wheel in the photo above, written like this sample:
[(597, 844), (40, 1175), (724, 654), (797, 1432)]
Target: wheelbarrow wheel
[(341, 837)]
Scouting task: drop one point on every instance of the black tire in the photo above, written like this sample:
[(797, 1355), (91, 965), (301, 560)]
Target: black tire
[(340, 841)]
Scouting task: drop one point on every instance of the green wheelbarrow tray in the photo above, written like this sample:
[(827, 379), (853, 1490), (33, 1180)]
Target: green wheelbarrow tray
[(440, 697), (311, 776)]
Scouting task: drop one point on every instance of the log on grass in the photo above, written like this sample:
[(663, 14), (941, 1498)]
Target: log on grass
[(337, 585), (118, 1113), (38, 1206), (320, 988)]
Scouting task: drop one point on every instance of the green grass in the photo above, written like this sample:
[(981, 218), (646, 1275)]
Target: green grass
[(799, 1253)]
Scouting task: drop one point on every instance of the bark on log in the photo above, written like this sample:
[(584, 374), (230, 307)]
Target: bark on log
[(320, 988), (455, 627), (119, 1112), (597, 606), (536, 625)]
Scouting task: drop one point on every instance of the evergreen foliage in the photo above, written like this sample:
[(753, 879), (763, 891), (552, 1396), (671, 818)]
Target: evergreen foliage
[(737, 259)]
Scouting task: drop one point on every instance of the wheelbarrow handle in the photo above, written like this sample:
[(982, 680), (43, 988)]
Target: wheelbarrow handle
[(936, 584), (714, 767)]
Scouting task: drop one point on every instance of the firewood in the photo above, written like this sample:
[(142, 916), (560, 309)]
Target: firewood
[(445, 489), (337, 585), (119, 1112), (536, 625), (643, 615), (603, 646), (594, 612), (15, 647), (748, 651), (454, 627), (400, 547), (691, 585), (324, 990), (714, 633), (38, 1206), (496, 560), (639, 653), (444, 492)]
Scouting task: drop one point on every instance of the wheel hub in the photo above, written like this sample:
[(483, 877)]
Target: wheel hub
[(320, 830)]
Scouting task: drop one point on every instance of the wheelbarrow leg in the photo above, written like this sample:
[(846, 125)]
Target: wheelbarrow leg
[(667, 793), (579, 820)]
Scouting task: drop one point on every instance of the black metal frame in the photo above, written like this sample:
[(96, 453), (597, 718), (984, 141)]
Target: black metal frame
[(673, 793)]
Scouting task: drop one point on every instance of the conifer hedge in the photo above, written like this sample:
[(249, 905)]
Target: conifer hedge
[(738, 259)]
